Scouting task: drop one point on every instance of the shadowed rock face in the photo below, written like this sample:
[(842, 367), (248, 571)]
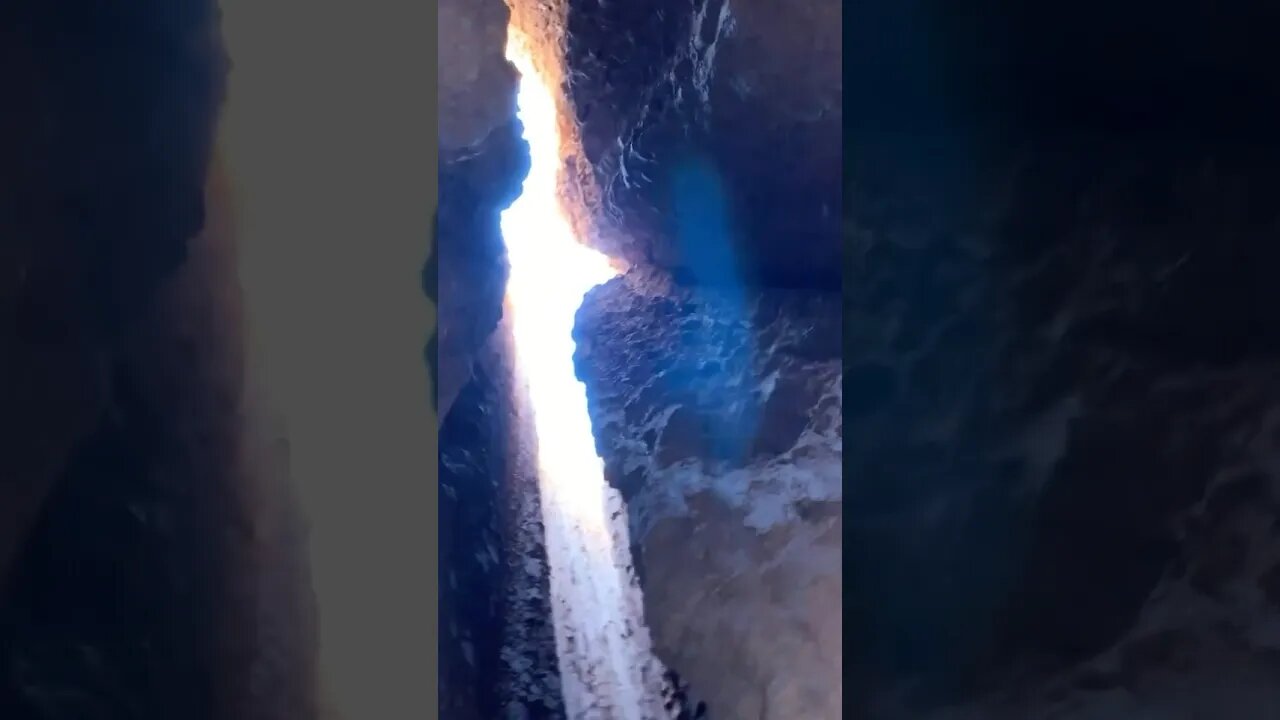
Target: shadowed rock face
[(119, 605), (718, 416), (748, 92), (104, 148), (130, 560), (483, 160), (104, 153), (722, 377), (476, 184), (497, 645), (711, 132), (1000, 68), (1057, 364), (1061, 446), (1059, 238), (115, 149), (476, 83), (470, 524), (1055, 360)]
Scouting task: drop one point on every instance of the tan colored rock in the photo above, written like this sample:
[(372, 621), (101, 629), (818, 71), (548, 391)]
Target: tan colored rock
[(481, 166), (753, 621), (477, 84), (723, 430)]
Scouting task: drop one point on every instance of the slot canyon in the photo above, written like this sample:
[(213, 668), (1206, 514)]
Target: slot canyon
[(1057, 228), (217, 427), (1038, 250), (693, 568)]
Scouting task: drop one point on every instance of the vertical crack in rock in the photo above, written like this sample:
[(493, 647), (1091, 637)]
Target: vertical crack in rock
[(606, 668), (660, 170), (493, 615), (498, 647)]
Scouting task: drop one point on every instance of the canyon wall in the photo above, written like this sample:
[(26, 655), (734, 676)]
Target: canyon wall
[(747, 90), (718, 415), (1061, 408), (120, 368), (1058, 370), (709, 158), (483, 159), (1061, 451), (98, 210), (495, 611), (471, 473)]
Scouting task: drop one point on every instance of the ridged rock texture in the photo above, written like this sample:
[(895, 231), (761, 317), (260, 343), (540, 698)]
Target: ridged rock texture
[(483, 160), (710, 160), (1042, 402), (495, 610), (1061, 442), (693, 160), (718, 414), (749, 89)]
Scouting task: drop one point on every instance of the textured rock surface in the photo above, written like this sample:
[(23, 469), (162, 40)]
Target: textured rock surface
[(482, 162), (497, 650), (470, 530), (1051, 359), (1060, 381), (748, 92), (1059, 251), (1084, 390), (1176, 618), (476, 184), (476, 83), (707, 149), (722, 428)]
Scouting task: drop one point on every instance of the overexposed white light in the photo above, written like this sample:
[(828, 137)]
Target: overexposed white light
[(607, 669), (550, 273)]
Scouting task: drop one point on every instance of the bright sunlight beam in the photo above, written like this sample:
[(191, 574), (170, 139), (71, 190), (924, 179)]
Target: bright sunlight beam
[(607, 669), (550, 273)]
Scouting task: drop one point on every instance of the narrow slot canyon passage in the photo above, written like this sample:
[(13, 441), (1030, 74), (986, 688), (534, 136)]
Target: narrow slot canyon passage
[(606, 668), (1046, 283), (640, 363)]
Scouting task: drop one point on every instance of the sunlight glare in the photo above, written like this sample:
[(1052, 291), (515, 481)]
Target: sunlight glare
[(550, 273), (607, 667)]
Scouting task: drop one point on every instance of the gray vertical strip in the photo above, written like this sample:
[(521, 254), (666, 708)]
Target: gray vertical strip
[(431, 286), (335, 139)]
